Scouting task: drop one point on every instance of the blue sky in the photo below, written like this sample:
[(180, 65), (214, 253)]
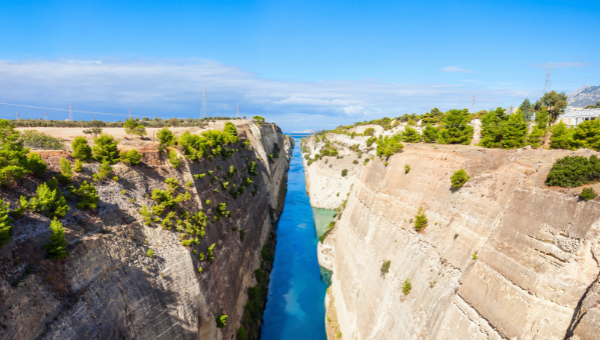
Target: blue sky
[(301, 64)]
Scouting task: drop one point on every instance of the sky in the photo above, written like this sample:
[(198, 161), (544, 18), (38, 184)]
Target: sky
[(301, 64)]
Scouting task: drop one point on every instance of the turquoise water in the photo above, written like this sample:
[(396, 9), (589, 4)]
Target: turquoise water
[(295, 306), (322, 219)]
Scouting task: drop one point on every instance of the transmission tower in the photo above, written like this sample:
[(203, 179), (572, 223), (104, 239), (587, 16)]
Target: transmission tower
[(17, 115), (547, 86), (473, 107), (238, 110), (70, 112), (129, 113), (204, 113), (45, 114)]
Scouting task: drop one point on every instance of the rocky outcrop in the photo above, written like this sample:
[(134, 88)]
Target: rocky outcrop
[(504, 257), (108, 288)]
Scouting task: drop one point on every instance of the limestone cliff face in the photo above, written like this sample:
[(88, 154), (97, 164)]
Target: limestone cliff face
[(108, 288), (504, 257)]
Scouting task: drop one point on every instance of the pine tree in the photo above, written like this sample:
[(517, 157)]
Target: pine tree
[(493, 128), (132, 127), (535, 137), (516, 129), (81, 149), (13, 156), (430, 134), (562, 137), (89, 198), (65, 171), (456, 129), (420, 220), (5, 224), (411, 135), (166, 137), (105, 149), (526, 110), (36, 164), (57, 248)]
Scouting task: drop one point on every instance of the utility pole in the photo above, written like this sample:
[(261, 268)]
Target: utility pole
[(547, 86), (17, 115), (70, 112), (46, 114), (473, 107), (238, 110), (204, 113)]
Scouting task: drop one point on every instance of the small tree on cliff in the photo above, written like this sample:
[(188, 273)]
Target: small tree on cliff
[(132, 127), (459, 178), (420, 220), (57, 248)]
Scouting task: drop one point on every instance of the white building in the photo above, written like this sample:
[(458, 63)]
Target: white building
[(575, 117)]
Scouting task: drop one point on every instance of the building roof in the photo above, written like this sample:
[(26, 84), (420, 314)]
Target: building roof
[(581, 113)]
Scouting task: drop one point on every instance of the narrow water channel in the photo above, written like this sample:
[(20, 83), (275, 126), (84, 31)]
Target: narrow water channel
[(295, 305)]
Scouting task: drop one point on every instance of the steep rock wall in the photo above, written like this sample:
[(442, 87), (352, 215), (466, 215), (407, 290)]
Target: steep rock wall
[(108, 288), (535, 273)]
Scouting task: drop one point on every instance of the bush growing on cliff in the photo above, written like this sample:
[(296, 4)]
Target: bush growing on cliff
[(221, 321), (165, 136), (389, 145), (430, 134), (420, 220), (406, 287), (132, 157), (105, 149), (344, 172), (150, 253), (230, 129), (78, 166), (410, 135), (36, 164), (66, 173), (535, 137), (173, 158), (146, 215), (588, 194), (210, 255), (406, 168), (57, 248), (49, 200), (88, 196), (132, 127), (20, 211), (459, 178), (241, 334), (81, 149), (574, 171), (103, 172), (13, 156), (5, 224), (385, 268)]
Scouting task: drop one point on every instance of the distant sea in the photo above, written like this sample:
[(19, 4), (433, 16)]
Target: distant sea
[(298, 134)]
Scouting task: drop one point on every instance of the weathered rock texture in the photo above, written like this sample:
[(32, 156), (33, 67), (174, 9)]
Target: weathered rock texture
[(536, 270), (107, 288)]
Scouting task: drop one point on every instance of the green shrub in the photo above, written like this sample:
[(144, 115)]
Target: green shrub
[(406, 168), (355, 162), (221, 321), (420, 220), (242, 235), (88, 196), (535, 137), (81, 149), (474, 256), (13, 156), (588, 194), (241, 334), (173, 158), (406, 287), (150, 253), (574, 171), (430, 134), (389, 145), (66, 173), (132, 157), (456, 129), (5, 224), (39, 140), (166, 137), (132, 127), (459, 178), (103, 172), (230, 129), (57, 248), (385, 267), (20, 211), (146, 215), (78, 166), (49, 200), (411, 135), (562, 137), (209, 253), (207, 202), (94, 130), (105, 149), (199, 176), (344, 172), (36, 164)]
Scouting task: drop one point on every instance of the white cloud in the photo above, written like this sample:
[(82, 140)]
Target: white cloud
[(566, 64), (174, 88), (456, 69)]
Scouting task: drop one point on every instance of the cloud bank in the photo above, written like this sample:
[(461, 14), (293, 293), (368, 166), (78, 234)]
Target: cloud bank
[(174, 88)]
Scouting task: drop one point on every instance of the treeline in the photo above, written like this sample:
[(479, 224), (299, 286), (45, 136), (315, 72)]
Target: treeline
[(147, 122)]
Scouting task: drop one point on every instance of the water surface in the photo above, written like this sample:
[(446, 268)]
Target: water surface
[(295, 306)]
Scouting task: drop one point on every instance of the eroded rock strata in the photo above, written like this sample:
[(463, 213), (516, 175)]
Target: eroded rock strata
[(108, 288), (504, 257)]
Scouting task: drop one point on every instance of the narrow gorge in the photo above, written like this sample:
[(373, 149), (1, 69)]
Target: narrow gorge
[(503, 257), (131, 277)]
